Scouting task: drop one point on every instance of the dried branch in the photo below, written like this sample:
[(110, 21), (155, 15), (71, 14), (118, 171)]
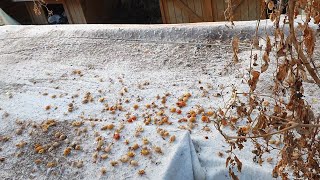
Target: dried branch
[(297, 45)]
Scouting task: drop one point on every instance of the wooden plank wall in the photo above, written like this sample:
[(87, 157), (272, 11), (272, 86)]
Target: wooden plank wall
[(247, 10), (189, 11), (75, 11), (98, 11), (186, 11)]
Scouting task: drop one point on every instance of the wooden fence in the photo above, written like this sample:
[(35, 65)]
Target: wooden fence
[(188, 11)]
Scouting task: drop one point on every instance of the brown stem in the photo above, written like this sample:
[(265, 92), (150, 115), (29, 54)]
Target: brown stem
[(291, 5), (293, 126), (265, 135)]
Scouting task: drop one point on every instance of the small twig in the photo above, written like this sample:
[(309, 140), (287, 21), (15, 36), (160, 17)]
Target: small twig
[(264, 135), (293, 126)]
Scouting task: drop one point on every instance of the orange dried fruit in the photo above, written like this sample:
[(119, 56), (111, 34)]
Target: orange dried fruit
[(173, 109), (47, 107), (145, 151), (67, 151), (192, 119), (141, 172), (103, 170), (116, 136), (104, 156), (131, 154), (205, 119), (172, 138), (51, 164), (37, 161), (134, 163), (181, 104)]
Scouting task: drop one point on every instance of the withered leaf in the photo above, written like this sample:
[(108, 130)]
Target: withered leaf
[(224, 122), (264, 67), (227, 161), (235, 44), (254, 80), (270, 5), (272, 16), (232, 175), (239, 163), (235, 58), (255, 74), (261, 123), (317, 19), (282, 72), (302, 73), (281, 52), (235, 48), (265, 57), (268, 45), (277, 109), (309, 40), (255, 42)]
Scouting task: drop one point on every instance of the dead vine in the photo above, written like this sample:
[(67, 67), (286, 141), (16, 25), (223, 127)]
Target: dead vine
[(290, 116)]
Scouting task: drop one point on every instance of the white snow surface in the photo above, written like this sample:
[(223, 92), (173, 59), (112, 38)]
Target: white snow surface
[(148, 60)]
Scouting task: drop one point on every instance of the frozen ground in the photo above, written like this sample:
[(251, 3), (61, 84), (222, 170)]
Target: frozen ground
[(45, 68)]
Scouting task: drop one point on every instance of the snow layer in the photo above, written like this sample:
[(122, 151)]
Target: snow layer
[(37, 65)]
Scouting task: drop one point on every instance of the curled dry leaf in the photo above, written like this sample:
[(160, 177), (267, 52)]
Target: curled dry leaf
[(255, 42), (235, 48), (239, 163), (233, 176), (309, 40), (270, 5), (228, 160), (266, 58), (254, 80), (264, 67), (282, 72), (268, 45), (272, 16)]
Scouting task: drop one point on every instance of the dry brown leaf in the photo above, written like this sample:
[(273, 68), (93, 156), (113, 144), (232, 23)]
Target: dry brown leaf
[(235, 49), (281, 52), (302, 73), (282, 72), (235, 44), (255, 42), (316, 19), (264, 67), (265, 57), (232, 175), (272, 16), (254, 80), (239, 163), (277, 109), (270, 5), (268, 45), (309, 40), (262, 122), (235, 58), (227, 161)]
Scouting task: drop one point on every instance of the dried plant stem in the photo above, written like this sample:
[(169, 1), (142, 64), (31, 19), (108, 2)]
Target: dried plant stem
[(296, 45), (293, 126)]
